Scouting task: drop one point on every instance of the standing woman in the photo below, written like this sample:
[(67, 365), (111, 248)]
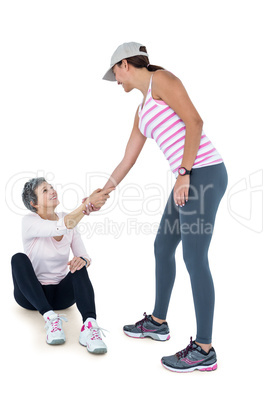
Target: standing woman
[(168, 116)]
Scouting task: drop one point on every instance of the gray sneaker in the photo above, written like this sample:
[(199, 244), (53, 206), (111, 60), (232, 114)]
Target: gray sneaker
[(191, 358), (146, 328)]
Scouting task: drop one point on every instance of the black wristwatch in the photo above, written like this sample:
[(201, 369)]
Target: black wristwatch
[(82, 258), (183, 171)]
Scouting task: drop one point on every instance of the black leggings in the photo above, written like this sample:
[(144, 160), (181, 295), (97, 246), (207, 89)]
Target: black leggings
[(30, 294)]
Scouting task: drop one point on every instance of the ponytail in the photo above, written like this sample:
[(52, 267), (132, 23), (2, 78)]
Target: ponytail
[(152, 67), (141, 61)]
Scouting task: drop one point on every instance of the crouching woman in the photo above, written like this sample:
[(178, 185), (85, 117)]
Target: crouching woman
[(44, 278)]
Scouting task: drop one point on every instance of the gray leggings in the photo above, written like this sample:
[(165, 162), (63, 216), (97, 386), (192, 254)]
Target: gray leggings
[(193, 224)]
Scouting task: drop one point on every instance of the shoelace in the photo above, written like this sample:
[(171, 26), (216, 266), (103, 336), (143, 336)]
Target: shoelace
[(54, 322), (95, 333), (141, 322), (184, 352)]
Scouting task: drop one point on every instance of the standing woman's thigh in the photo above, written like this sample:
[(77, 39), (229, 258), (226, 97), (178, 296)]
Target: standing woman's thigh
[(169, 234), (197, 217)]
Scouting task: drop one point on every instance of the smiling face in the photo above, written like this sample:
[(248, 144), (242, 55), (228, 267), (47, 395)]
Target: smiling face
[(123, 75), (47, 198)]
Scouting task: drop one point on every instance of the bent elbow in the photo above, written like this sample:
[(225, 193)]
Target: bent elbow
[(199, 123), (195, 126)]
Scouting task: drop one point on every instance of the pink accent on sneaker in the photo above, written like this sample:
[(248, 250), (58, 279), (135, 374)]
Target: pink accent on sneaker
[(210, 368), (55, 326), (95, 335), (168, 337), (140, 337), (89, 325), (188, 361)]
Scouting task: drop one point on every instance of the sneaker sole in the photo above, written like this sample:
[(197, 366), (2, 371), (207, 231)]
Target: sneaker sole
[(97, 351), (212, 367), (56, 342), (156, 337)]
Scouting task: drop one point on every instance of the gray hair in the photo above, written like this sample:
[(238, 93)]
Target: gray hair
[(28, 193)]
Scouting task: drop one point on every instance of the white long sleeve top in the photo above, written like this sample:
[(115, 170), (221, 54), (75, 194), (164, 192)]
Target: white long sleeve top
[(49, 257)]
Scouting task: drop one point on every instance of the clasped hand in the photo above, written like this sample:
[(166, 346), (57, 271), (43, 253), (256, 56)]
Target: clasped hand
[(96, 200)]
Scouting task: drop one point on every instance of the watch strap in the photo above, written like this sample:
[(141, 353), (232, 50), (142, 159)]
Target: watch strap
[(86, 262), (186, 171)]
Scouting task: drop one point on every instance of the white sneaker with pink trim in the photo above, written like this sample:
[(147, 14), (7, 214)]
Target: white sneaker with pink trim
[(90, 336), (55, 334)]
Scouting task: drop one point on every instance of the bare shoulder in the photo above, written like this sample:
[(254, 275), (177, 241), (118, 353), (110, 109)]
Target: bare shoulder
[(164, 80), (163, 77)]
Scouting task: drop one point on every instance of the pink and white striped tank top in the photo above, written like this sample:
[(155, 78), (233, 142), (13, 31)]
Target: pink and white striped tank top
[(160, 122)]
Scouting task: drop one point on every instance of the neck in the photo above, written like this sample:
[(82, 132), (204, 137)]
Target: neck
[(48, 214), (141, 80)]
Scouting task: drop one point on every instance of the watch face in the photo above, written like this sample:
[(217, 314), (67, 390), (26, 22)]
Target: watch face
[(182, 171)]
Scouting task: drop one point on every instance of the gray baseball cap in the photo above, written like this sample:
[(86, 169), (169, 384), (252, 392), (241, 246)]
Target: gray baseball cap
[(123, 51)]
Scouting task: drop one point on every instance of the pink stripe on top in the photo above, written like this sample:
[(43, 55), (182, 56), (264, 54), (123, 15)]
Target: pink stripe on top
[(169, 138), (159, 121), (160, 124), (168, 128), (153, 119), (148, 111)]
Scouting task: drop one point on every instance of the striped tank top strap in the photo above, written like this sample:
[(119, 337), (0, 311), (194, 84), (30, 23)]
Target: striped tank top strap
[(150, 85)]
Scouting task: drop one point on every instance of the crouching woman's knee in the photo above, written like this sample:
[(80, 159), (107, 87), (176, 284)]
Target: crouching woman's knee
[(20, 260)]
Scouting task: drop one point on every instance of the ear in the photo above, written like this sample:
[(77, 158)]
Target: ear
[(125, 64), (32, 204)]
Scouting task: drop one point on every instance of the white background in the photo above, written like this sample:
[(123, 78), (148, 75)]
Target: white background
[(60, 120)]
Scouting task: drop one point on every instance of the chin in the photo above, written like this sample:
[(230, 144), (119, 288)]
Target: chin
[(128, 90), (56, 203)]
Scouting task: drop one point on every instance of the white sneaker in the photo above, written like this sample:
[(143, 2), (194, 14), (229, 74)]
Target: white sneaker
[(55, 334), (91, 338)]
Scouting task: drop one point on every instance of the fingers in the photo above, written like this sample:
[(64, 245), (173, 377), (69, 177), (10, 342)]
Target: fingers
[(75, 264), (103, 197), (181, 191), (88, 209), (95, 208), (96, 200), (97, 191), (181, 201), (181, 197)]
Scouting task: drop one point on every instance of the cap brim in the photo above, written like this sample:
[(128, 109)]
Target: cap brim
[(109, 76)]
